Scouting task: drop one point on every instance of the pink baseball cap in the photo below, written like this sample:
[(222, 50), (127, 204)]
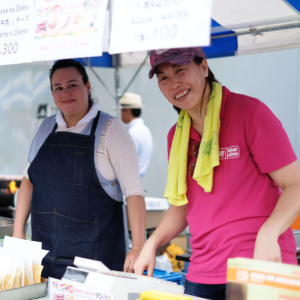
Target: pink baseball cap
[(179, 56)]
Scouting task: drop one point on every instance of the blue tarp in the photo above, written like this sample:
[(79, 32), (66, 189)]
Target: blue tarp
[(219, 47)]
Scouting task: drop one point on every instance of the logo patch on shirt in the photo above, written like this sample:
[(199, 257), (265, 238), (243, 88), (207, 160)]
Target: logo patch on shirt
[(229, 152)]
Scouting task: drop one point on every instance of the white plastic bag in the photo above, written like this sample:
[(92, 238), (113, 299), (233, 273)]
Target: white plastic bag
[(163, 263)]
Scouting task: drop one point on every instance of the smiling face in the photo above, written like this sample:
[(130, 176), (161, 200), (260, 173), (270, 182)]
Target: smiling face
[(70, 94), (183, 86)]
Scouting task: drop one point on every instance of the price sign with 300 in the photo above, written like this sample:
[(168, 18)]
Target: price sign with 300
[(9, 48)]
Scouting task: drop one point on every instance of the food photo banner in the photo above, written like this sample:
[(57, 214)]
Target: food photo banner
[(43, 30), (68, 28)]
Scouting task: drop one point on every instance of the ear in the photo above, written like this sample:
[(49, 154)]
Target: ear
[(204, 67), (88, 85)]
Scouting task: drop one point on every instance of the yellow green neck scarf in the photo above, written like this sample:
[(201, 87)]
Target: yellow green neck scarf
[(208, 156)]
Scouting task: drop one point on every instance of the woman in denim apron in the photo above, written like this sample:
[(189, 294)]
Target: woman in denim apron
[(75, 210)]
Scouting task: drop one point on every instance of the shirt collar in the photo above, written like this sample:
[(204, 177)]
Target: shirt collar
[(89, 116)]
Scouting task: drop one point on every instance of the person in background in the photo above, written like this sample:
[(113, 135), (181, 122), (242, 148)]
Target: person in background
[(81, 162), (233, 176), (131, 109)]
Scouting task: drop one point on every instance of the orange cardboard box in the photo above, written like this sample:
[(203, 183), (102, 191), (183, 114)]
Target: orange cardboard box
[(249, 279)]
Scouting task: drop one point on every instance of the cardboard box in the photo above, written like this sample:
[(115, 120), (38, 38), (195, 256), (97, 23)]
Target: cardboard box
[(155, 210), (249, 279), (180, 240)]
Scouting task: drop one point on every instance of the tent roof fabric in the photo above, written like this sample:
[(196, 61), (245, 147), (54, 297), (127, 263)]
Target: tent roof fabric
[(260, 25), (239, 27)]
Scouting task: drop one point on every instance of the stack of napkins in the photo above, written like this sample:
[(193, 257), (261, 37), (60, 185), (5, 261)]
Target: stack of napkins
[(20, 262)]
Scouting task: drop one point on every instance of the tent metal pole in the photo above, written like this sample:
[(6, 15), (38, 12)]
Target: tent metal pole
[(116, 63), (261, 24), (256, 31), (119, 94), (98, 77), (136, 73)]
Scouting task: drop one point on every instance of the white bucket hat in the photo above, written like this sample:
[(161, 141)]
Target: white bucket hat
[(130, 100)]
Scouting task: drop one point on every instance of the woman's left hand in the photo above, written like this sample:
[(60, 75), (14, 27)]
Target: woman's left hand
[(131, 259), (282, 216), (267, 247)]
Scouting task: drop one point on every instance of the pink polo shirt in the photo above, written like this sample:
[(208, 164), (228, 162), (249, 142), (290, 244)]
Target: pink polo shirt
[(225, 222)]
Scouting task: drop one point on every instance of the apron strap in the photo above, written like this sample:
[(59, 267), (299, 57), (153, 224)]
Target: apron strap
[(95, 123), (54, 128)]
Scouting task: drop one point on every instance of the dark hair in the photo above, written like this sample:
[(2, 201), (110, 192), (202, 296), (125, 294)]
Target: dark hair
[(136, 112), (210, 78), (68, 63)]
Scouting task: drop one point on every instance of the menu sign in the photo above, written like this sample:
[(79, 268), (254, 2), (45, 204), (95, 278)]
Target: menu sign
[(156, 24), (15, 31), (68, 28), (41, 30)]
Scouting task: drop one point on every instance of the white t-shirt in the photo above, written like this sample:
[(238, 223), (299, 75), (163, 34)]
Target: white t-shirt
[(142, 139)]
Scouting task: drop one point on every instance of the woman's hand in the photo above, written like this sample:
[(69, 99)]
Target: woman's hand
[(267, 247), (131, 259), (136, 211), (146, 260), (173, 222), (283, 215)]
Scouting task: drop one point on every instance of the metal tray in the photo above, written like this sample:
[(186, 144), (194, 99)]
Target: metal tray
[(6, 226), (28, 292)]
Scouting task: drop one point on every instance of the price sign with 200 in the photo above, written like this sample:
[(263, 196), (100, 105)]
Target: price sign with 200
[(9, 48)]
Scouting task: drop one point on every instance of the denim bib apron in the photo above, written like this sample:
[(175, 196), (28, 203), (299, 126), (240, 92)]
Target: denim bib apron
[(71, 214)]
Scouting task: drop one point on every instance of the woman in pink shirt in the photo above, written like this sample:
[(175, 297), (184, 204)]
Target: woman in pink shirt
[(240, 194)]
